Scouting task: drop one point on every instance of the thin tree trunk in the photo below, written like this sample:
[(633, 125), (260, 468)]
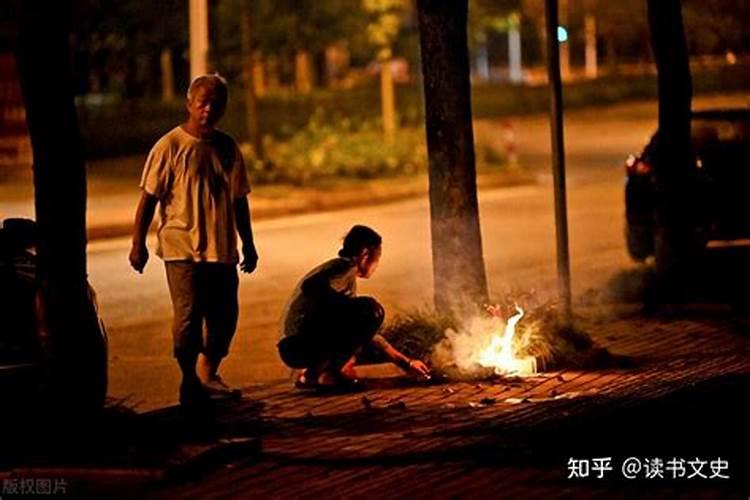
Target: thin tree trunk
[(483, 60), (387, 100), (302, 72), (60, 195), (259, 74), (591, 55), (251, 101), (674, 218), (458, 263), (515, 67), (167, 75)]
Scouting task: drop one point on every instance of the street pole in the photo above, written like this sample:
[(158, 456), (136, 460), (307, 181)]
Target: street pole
[(198, 38), (558, 162)]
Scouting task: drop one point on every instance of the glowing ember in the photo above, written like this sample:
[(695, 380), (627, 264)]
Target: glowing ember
[(499, 353)]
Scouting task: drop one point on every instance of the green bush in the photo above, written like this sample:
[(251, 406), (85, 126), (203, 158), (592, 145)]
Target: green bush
[(328, 149)]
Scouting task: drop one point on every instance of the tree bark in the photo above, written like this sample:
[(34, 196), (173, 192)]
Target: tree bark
[(458, 263), (675, 222), (60, 196)]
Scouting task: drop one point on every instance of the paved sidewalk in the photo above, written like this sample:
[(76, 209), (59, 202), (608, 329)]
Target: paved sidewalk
[(509, 438)]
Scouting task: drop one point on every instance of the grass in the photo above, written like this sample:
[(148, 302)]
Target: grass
[(425, 334)]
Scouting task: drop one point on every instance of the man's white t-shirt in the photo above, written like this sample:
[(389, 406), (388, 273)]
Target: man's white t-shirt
[(196, 181)]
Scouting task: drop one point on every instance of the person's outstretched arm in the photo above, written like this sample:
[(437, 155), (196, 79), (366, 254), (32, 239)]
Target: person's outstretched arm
[(399, 359), (245, 230), (143, 217)]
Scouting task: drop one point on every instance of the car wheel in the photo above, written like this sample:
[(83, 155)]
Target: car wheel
[(640, 241)]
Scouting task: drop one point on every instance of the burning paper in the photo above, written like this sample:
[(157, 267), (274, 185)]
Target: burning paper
[(487, 343), (500, 354)]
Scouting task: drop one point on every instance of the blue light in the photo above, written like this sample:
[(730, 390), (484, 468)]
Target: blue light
[(562, 34)]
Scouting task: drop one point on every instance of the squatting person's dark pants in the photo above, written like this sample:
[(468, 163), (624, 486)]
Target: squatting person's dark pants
[(203, 291), (334, 334)]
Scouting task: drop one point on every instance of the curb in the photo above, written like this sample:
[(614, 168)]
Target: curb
[(322, 200)]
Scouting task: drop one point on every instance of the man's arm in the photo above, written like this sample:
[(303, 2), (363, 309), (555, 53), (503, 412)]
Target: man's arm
[(143, 217), (245, 230)]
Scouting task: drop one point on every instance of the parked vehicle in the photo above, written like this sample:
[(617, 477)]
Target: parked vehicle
[(27, 359), (720, 182)]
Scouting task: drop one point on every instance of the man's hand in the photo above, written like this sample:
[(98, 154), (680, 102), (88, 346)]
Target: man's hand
[(249, 259), (138, 257), (144, 214), (419, 368)]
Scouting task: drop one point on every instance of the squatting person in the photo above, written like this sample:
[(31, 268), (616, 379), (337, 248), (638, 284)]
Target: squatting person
[(325, 323)]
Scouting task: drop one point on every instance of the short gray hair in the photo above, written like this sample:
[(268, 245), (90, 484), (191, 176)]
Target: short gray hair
[(212, 80)]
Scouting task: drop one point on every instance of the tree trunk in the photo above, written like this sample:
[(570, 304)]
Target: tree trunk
[(675, 222), (483, 60), (302, 72), (458, 264), (60, 197), (515, 67), (387, 100), (251, 101), (591, 55), (167, 75)]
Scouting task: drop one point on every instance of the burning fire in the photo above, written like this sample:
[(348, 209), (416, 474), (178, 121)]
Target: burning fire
[(488, 342), (499, 353)]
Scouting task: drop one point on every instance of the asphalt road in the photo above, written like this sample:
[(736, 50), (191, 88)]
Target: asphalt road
[(518, 238)]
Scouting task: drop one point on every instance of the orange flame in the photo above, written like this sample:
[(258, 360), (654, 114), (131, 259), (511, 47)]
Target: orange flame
[(499, 353)]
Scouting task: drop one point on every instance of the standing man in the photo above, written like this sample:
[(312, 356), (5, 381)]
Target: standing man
[(196, 174)]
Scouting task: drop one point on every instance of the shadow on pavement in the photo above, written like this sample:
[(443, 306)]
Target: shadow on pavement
[(117, 437), (705, 422), (719, 276)]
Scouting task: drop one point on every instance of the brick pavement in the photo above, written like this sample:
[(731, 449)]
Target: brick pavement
[(506, 437)]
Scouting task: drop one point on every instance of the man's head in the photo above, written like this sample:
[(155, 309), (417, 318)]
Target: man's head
[(207, 99), (363, 246)]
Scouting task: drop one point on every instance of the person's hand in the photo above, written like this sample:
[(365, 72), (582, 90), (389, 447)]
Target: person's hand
[(249, 259), (419, 368), (138, 257)]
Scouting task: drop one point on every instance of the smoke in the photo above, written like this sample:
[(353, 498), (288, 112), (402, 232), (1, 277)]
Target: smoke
[(460, 349)]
